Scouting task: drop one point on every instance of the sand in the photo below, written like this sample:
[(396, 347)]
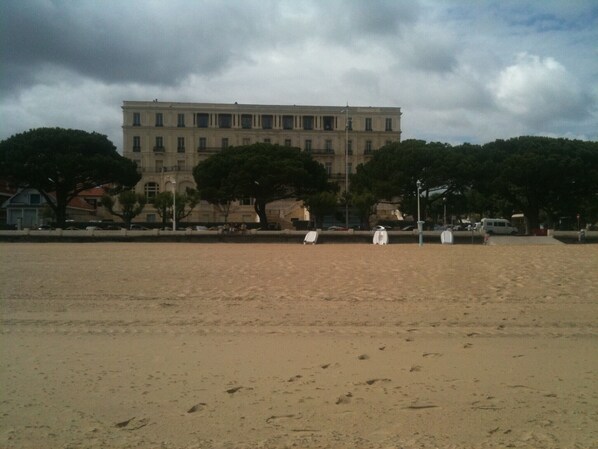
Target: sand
[(108, 345)]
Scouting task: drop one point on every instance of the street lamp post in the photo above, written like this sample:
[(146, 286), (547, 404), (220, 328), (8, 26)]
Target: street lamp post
[(347, 166), (173, 205), (419, 222), (444, 201)]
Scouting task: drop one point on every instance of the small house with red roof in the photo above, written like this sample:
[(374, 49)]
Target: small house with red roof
[(27, 208)]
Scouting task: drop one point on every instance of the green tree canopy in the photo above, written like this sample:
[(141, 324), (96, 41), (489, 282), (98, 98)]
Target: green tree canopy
[(130, 205), (61, 163), (321, 204), (541, 175), (392, 173), (185, 203), (261, 171)]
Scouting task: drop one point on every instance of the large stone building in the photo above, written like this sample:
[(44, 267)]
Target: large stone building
[(167, 140)]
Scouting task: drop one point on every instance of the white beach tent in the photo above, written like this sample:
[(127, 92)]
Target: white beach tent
[(311, 237), (380, 236), (446, 237)]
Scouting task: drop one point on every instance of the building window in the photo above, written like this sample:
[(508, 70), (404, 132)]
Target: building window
[(267, 140), (288, 143), (180, 120), (159, 119), (246, 120), (136, 119), (180, 144), (349, 125), (388, 124), (308, 122), (136, 144), (203, 120), (287, 122), (151, 190), (368, 124), (246, 141), (368, 147), (328, 146), (225, 120), (349, 146), (202, 143), (307, 145), (159, 144), (224, 145), (35, 198), (150, 218), (246, 202), (349, 168), (328, 166), (267, 122), (328, 123)]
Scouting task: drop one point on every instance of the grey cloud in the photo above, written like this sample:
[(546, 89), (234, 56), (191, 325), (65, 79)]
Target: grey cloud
[(122, 41), (71, 63)]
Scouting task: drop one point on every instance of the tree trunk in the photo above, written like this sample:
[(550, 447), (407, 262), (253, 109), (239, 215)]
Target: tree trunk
[(60, 211), (533, 219), (260, 210)]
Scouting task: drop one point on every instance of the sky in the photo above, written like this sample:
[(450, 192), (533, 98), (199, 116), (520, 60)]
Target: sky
[(461, 70)]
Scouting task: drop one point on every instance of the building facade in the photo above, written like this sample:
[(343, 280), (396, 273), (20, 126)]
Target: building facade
[(167, 140)]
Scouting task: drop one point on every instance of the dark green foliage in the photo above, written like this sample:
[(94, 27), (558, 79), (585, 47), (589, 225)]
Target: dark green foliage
[(130, 205), (185, 203), (543, 178), (392, 173), (321, 204), (261, 171), (61, 163)]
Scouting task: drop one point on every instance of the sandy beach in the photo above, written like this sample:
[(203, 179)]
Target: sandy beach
[(153, 345)]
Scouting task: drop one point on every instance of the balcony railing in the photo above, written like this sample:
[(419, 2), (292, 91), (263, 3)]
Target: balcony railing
[(209, 150), (320, 151), (166, 169), (159, 149)]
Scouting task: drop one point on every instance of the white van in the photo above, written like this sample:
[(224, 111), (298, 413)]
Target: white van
[(497, 226)]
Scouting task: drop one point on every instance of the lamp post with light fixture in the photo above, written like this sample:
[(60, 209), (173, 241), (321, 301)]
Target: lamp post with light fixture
[(346, 111), (173, 205), (419, 222), (444, 202)]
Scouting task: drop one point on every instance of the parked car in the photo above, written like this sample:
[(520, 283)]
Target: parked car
[(498, 226)]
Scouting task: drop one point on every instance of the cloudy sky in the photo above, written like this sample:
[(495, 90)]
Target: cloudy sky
[(461, 70)]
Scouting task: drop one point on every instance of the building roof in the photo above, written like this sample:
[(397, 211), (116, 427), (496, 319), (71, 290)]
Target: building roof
[(76, 203), (98, 192)]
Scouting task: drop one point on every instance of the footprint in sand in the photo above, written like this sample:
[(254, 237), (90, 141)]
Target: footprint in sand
[(373, 381), (344, 399), (132, 424), (233, 390), (197, 407)]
